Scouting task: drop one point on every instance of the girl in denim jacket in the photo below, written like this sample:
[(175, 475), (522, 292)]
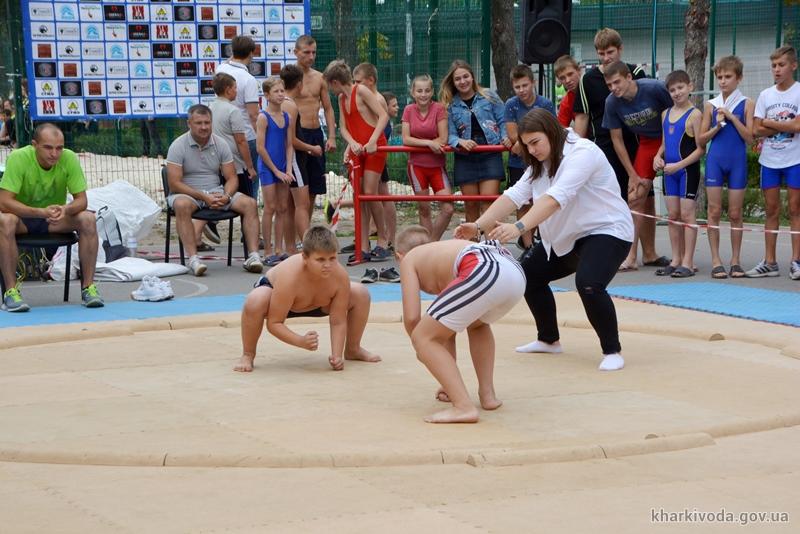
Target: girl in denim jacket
[(476, 116)]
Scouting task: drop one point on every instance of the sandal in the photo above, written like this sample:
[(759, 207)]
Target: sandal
[(379, 254), (736, 271), (627, 268), (661, 261), (666, 271), (682, 272), (351, 260), (719, 273)]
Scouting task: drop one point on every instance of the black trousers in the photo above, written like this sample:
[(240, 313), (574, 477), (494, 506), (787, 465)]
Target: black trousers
[(594, 260)]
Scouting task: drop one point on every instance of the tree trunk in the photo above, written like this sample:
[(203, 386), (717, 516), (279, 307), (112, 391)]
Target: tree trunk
[(696, 48), (344, 31), (504, 46)]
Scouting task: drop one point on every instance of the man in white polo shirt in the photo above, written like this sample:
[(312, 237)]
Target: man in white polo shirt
[(246, 100), (194, 162)]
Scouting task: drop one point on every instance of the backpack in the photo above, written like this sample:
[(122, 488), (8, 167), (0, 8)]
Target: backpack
[(110, 235)]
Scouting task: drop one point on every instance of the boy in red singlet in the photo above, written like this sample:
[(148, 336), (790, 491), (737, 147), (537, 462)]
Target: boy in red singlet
[(363, 120)]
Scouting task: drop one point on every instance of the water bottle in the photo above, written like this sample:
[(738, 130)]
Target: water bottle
[(132, 247)]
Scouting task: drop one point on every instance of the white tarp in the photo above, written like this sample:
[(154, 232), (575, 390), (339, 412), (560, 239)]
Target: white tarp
[(136, 214)]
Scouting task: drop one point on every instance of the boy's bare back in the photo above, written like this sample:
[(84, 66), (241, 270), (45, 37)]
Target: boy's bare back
[(434, 262)]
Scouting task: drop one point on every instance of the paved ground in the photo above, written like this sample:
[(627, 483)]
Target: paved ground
[(141, 426)]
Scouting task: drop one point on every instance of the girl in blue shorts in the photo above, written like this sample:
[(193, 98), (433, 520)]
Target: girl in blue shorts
[(274, 136)]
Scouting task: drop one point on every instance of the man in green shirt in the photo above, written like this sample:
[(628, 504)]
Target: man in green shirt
[(33, 196)]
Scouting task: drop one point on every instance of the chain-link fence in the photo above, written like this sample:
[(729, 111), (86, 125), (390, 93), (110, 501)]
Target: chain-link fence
[(408, 37)]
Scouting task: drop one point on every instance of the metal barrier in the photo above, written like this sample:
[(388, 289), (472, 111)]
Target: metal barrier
[(357, 174)]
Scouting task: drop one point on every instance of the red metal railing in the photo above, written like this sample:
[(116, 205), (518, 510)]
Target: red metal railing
[(358, 198)]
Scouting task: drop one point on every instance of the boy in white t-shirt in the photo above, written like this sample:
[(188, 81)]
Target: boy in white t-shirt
[(777, 121)]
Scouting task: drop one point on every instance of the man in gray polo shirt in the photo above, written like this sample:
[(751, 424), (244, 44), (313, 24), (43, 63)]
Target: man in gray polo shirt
[(194, 163)]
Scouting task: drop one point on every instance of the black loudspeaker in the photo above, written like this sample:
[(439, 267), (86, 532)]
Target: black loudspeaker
[(546, 26)]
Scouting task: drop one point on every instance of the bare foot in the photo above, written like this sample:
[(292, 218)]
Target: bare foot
[(454, 415), (245, 364), (336, 363), (489, 401), (363, 355), (441, 395)]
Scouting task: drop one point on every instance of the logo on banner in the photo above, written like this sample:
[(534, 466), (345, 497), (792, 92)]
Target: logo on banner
[(206, 13), (139, 32), (66, 13), (161, 14), (184, 14), (162, 31), (117, 52), (119, 106), (273, 15), (164, 88), (92, 32), (47, 89), (140, 71), (72, 108), (114, 12), (48, 107), (163, 51), (209, 51), (44, 51), (186, 50), (208, 68), (137, 12), (94, 88)]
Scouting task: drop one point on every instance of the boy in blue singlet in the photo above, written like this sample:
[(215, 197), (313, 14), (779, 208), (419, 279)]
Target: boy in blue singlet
[(679, 158), (776, 120), (728, 125)]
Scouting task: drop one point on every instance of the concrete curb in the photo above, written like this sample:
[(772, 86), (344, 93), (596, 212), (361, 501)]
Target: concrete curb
[(496, 457)]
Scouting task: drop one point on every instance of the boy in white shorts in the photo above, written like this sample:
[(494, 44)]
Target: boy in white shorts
[(476, 284)]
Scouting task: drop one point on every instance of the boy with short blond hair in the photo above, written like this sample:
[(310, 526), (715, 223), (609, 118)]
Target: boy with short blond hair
[(728, 126), (777, 121), (363, 119), (466, 300), (311, 284)]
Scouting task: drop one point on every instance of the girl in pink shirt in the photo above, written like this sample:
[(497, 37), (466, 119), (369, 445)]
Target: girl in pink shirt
[(425, 125)]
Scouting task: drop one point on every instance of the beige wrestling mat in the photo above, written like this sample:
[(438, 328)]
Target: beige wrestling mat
[(162, 393), (142, 426)]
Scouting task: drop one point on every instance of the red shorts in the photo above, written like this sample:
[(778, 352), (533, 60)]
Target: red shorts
[(371, 162), (422, 178), (645, 154)]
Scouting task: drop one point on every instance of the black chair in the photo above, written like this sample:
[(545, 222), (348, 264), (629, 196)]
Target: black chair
[(207, 215), (48, 241)]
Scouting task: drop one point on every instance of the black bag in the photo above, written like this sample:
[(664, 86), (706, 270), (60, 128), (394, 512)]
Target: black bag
[(110, 235)]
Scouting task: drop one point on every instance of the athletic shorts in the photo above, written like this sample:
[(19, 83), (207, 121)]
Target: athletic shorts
[(771, 178), (645, 154), (683, 183), (36, 225), (514, 174), (488, 283), (316, 312), (313, 167), (422, 178), (720, 167), (474, 168), (375, 162), (200, 204)]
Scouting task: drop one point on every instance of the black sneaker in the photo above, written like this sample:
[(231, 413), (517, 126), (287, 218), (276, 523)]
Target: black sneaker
[(389, 274), (370, 276), (379, 254)]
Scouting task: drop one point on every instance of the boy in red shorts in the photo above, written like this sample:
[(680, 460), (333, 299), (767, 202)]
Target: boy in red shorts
[(363, 120), (636, 104)]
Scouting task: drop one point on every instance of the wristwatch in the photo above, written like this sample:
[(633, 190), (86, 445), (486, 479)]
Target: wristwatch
[(480, 230), (520, 226)]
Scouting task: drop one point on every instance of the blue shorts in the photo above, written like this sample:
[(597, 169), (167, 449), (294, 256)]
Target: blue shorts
[(771, 178), (474, 168), (721, 167), (36, 225), (267, 177), (683, 183)]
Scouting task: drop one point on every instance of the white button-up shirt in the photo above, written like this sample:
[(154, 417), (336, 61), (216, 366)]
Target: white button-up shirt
[(587, 192)]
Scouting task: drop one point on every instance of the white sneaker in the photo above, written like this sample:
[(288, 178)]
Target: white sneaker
[(153, 290), (762, 270), (253, 263), (794, 270), (197, 268)]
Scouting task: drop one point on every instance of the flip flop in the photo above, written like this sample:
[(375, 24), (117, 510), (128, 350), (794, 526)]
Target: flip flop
[(661, 261), (736, 271), (627, 268), (682, 272), (666, 271), (719, 273)]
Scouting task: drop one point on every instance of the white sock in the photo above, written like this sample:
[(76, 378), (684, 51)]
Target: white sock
[(254, 254), (193, 259), (540, 346), (612, 362)]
